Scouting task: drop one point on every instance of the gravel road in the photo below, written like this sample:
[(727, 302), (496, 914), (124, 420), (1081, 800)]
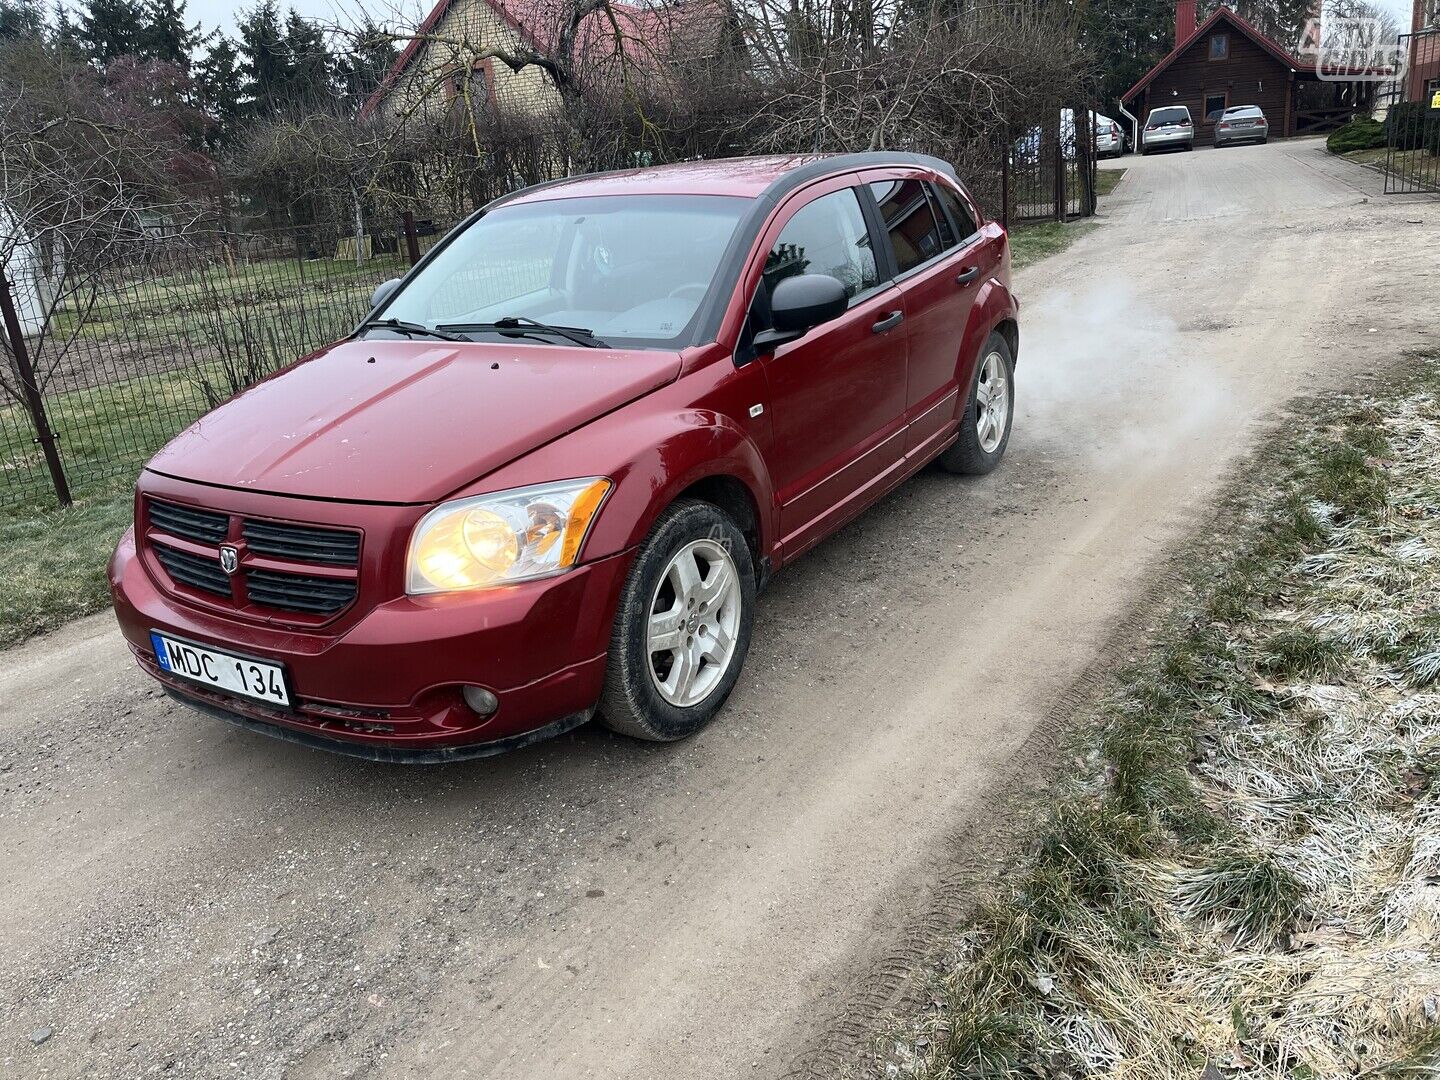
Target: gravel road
[(182, 899)]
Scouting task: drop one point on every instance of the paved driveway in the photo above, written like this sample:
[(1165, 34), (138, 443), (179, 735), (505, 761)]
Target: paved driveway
[(1271, 179), (185, 899)]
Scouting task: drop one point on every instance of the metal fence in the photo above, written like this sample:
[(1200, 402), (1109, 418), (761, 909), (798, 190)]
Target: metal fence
[(101, 369), (1412, 122), (98, 372)]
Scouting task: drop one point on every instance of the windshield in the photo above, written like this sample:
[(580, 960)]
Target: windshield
[(1169, 116), (629, 269)]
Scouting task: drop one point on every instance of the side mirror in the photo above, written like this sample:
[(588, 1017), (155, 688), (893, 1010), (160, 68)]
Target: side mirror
[(383, 292), (798, 305)]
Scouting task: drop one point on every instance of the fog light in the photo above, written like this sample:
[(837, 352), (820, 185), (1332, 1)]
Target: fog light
[(481, 700)]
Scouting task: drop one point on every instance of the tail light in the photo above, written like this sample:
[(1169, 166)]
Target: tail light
[(1224, 126)]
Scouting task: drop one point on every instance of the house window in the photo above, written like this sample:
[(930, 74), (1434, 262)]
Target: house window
[(478, 88), (1219, 46), (1215, 105)]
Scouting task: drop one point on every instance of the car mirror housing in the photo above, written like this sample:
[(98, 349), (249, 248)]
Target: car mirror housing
[(798, 305), (383, 292)]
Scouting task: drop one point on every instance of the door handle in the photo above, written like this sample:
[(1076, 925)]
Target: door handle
[(968, 275), (887, 322)]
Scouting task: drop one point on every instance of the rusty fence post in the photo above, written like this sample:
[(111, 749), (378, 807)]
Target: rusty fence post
[(412, 241), (34, 403)]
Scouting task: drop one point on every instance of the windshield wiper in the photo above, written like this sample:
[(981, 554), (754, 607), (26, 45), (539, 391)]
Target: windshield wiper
[(521, 326), (411, 328)]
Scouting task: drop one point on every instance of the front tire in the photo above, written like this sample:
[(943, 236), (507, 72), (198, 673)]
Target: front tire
[(989, 411), (682, 627)]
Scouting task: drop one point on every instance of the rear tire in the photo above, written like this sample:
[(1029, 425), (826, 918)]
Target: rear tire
[(682, 625), (981, 444)]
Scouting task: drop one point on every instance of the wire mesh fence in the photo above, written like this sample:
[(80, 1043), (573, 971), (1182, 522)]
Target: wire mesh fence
[(125, 357), (100, 366)]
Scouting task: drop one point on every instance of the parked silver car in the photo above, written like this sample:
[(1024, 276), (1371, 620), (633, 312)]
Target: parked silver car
[(1168, 128), (1109, 137), (1241, 122)]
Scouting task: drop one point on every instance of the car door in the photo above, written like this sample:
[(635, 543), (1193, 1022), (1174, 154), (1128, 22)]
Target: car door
[(837, 395), (940, 261)]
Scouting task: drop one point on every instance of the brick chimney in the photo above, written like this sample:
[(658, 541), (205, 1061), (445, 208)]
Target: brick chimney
[(1184, 19)]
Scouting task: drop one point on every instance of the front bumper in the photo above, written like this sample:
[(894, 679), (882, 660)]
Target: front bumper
[(388, 685)]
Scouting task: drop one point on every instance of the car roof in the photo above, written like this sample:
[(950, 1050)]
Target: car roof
[(746, 177)]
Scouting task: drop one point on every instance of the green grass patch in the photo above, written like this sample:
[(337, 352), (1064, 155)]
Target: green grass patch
[(1031, 243), (1106, 179), (52, 563)]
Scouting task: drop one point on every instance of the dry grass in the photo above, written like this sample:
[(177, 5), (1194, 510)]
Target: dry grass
[(1246, 874)]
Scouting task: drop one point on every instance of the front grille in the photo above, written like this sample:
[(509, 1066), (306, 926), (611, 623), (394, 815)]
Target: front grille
[(298, 592), (206, 526), (302, 543), (308, 571), (197, 571)]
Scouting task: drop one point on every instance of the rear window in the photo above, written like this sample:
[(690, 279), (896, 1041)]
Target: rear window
[(1170, 116), (1243, 110)]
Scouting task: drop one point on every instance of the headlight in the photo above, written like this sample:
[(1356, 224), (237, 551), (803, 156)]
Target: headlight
[(502, 538)]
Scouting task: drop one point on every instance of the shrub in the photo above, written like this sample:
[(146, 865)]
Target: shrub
[(1361, 133), (1412, 125)]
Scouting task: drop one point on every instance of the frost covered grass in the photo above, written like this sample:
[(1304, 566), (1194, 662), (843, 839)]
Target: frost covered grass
[(1244, 878)]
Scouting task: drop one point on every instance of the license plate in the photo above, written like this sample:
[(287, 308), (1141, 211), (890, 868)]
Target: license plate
[(255, 679)]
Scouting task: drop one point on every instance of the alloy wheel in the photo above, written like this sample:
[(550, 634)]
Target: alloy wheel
[(992, 411), (693, 622)]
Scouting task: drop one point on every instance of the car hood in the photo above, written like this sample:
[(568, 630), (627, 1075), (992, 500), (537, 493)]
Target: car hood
[(405, 421)]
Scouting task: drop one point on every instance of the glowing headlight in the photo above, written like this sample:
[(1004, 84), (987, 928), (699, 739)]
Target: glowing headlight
[(502, 538)]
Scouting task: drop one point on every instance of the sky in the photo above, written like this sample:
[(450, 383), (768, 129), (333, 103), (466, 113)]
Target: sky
[(218, 13), (213, 13)]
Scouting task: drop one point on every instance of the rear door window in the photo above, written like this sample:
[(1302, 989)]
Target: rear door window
[(827, 236), (910, 220), (959, 213)]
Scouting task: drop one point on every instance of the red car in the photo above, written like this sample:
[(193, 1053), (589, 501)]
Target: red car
[(548, 474)]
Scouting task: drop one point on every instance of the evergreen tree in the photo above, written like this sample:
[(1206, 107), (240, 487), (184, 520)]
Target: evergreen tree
[(1126, 38), (264, 60), (164, 35), (21, 19), (219, 83), (67, 34), (311, 79), (110, 29), (361, 69)]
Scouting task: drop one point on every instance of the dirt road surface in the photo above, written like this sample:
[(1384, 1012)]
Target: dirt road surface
[(183, 899)]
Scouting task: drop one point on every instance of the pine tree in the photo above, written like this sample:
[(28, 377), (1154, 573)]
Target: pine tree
[(110, 29), (265, 61), (67, 34), (1126, 38), (21, 19), (362, 68), (164, 35), (219, 83), (311, 81)]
